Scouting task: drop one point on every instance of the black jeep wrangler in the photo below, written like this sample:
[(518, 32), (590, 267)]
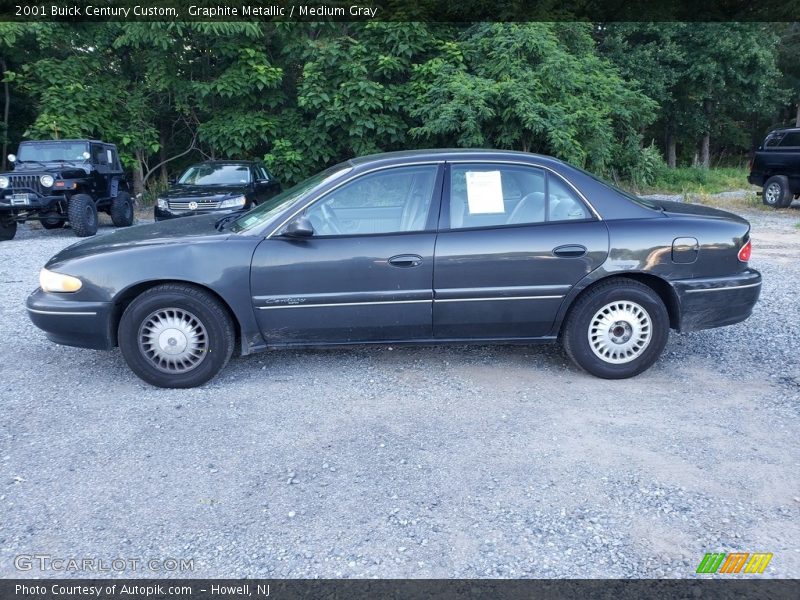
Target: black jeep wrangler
[(60, 181), (776, 167)]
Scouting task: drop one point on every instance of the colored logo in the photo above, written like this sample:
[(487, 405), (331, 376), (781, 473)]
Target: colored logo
[(734, 562)]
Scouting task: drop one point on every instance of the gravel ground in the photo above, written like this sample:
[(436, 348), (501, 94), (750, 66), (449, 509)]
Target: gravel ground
[(408, 462)]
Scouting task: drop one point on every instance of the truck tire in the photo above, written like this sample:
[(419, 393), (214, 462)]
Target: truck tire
[(8, 229), (776, 192), (122, 210), (82, 215)]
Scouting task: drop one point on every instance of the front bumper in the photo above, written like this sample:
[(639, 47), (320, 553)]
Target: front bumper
[(34, 204), (715, 302), (72, 323), (163, 214)]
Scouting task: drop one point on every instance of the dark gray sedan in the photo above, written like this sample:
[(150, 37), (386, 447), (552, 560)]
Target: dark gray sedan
[(425, 247)]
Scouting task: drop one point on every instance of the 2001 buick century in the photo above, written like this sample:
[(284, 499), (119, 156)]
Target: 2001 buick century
[(424, 247)]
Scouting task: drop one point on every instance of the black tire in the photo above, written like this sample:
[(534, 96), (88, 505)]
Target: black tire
[(776, 192), (608, 333), (8, 229), (52, 221), (198, 313), (82, 214), (122, 210)]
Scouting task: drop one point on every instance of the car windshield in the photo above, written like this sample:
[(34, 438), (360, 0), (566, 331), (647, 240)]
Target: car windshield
[(56, 151), (265, 212), (216, 175)]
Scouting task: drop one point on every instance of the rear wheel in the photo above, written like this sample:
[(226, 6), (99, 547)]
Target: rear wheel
[(776, 192), (122, 210), (617, 329), (176, 336), (82, 215), (8, 229)]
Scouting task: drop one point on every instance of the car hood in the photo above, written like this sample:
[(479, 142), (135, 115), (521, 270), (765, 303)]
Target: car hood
[(682, 209), (174, 231), (66, 171), (206, 192)]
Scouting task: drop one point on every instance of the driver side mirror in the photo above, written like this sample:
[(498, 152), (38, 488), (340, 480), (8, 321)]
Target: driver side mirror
[(300, 227)]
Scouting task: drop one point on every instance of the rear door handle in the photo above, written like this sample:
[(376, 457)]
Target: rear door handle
[(405, 260), (570, 251)]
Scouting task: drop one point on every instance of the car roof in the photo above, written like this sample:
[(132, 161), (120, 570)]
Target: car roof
[(66, 141), (227, 162), (453, 154)]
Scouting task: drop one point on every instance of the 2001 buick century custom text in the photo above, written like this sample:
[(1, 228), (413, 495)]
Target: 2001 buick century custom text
[(421, 247)]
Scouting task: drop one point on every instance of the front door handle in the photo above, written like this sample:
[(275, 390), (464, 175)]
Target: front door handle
[(406, 260), (570, 251)]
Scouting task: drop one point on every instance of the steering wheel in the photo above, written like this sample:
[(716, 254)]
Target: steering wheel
[(331, 220)]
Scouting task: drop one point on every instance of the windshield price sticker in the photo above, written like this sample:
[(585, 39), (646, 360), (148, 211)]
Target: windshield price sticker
[(485, 192)]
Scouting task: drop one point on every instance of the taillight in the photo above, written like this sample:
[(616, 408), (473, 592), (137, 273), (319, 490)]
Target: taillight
[(745, 252)]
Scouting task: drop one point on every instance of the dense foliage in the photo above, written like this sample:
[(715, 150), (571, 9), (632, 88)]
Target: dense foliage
[(619, 99)]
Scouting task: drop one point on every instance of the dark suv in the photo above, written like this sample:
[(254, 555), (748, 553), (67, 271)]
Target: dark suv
[(776, 167), (217, 186), (60, 181)]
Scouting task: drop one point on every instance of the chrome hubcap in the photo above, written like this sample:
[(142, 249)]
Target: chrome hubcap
[(772, 193), (173, 340), (620, 331)]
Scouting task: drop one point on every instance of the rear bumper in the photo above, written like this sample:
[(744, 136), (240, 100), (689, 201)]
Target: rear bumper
[(756, 179), (715, 302), (65, 321)]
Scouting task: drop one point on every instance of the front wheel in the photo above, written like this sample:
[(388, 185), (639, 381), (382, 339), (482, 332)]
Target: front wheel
[(176, 336), (617, 329), (8, 229), (82, 214)]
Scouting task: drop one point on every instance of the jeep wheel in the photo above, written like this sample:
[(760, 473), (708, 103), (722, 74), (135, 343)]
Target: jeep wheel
[(82, 215), (617, 329), (776, 192), (52, 221), (8, 229), (122, 210), (176, 336)]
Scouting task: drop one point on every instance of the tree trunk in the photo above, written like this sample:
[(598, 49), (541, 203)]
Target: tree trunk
[(162, 154), (672, 157), (138, 174), (705, 153), (796, 119), (7, 105), (705, 144)]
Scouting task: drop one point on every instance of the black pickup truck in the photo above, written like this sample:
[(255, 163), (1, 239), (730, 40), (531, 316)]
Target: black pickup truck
[(776, 167)]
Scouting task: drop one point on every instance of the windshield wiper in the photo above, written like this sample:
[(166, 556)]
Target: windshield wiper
[(223, 222)]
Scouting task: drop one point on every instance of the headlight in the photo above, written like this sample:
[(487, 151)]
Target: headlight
[(162, 203), (233, 202), (46, 180), (3, 182), (58, 282)]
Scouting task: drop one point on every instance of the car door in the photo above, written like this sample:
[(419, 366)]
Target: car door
[(265, 186), (366, 274), (513, 240)]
